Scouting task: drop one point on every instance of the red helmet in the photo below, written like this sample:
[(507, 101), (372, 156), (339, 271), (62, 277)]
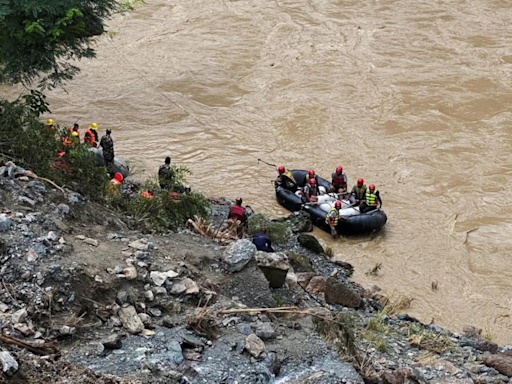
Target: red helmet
[(311, 172), (312, 181), (337, 204), (360, 182), (281, 170), (118, 177), (371, 187), (339, 169)]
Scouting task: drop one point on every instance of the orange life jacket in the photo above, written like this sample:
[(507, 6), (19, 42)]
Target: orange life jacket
[(236, 212), (146, 194), (90, 137)]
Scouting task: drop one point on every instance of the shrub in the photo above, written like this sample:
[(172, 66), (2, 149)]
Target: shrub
[(279, 232)]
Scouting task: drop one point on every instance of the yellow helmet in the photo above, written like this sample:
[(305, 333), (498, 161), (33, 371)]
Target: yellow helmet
[(49, 122), (94, 126), (74, 134)]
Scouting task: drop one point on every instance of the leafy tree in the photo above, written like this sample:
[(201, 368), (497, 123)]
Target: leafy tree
[(40, 39)]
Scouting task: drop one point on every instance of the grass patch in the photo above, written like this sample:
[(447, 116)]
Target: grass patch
[(377, 339), (279, 232), (392, 307), (488, 337), (278, 299), (339, 332), (329, 252), (431, 341), (377, 325)]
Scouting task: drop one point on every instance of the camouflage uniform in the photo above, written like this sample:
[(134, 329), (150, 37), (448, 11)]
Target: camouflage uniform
[(165, 176), (108, 149)]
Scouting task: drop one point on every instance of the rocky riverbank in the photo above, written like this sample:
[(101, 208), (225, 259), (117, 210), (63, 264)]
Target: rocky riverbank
[(83, 298)]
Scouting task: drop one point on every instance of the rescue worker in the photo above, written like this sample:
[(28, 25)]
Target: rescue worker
[(115, 184), (75, 128), (50, 125), (262, 242), (358, 193), (166, 174), (107, 144), (91, 136), (311, 191), (237, 212), (75, 138), (339, 181), (311, 175), (372, 200), (332, 218), (285, 179)]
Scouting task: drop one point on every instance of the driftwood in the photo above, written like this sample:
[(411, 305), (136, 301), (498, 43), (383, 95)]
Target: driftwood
[(42, 349), (224, 235), (34, 176)]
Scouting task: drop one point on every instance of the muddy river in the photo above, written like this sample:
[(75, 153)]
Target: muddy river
[(413, 96)]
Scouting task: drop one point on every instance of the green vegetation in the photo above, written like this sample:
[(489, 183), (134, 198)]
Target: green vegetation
[(377, 325), (279, 232), (300, 263), (40, 40), (430, 341), (329, 252), (339, 331), (279, 300)]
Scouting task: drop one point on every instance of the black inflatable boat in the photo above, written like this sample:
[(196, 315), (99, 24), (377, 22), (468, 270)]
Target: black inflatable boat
[(118, 166), (354, 221)]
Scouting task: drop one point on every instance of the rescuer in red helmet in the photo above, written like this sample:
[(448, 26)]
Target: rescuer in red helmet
[(311, 191), (358, 193), (339, 181), (372, 200), (285, 179), (333, 217)]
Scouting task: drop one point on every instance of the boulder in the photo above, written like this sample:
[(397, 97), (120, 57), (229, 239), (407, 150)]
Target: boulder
[(159, 278), (304, 278), (130, 273), (174, 352), (19, 316), (5, 223), (299, 262), (485, 345), (146, 319), (254, 345), (299, 221), (310, 242), (339, 292), (191, 287), (317, 284), (265, 331), (9, 363), (274, 266), (178, 288), (139, 245), (130, 320), (501, 362), (244, 328), (238, 255), (122, 297), (113, 341)]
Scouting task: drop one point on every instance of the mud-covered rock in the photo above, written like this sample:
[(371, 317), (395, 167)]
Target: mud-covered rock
[(501, 362), (254, 345), (299, 221), (310, 242), (131, 321), (339, 292), (485, 345), (317, 284)]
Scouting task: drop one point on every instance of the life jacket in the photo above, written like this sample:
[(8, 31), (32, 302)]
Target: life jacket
[(360, 191), (328, 217), (90, 137), (67, 142), (307, 178), (371, 198), (236, 212), (289, 175), (113, 186), (339, 181)]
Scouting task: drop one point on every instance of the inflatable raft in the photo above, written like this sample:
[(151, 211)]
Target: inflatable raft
[(118, 166), (353, 221)]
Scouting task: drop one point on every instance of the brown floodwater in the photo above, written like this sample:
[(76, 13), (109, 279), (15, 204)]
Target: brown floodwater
[(413, 96)]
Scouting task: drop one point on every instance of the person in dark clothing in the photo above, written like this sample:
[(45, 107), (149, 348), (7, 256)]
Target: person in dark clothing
[(166, 174), (107, 144), (285, 180), (262, 242)]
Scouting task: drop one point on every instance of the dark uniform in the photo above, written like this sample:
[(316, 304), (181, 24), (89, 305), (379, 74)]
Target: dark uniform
[(165, 176), (108, 149)]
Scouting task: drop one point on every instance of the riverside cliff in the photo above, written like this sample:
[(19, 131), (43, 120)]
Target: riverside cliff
[(83, 298)]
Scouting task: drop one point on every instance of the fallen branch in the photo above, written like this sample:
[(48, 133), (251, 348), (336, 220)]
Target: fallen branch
[(39, 349), (34, 176)]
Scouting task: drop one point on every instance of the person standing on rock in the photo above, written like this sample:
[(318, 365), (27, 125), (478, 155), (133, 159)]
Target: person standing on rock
[(107, 144), (166, 174), (332, 218)]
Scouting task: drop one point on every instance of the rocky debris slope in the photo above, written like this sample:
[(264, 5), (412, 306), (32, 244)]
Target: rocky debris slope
[(176, 308)]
